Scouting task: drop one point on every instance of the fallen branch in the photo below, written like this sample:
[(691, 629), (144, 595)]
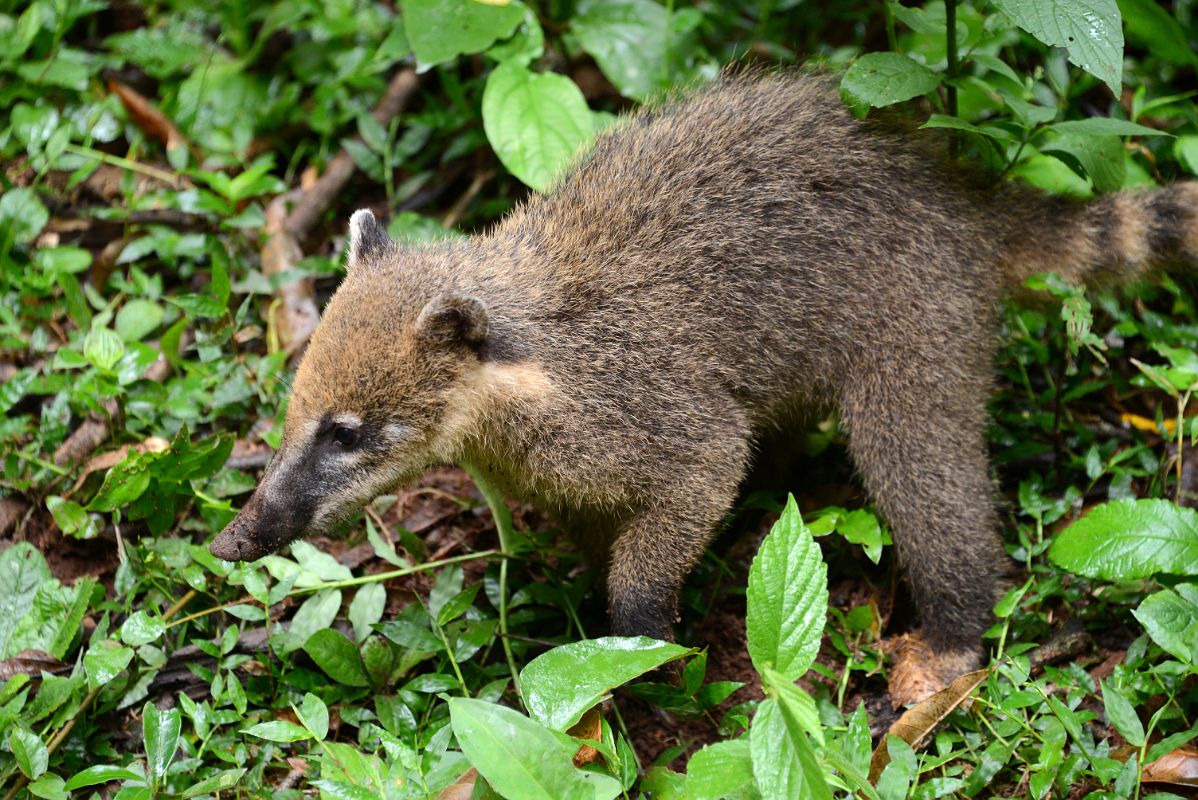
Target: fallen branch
[(294, 315)]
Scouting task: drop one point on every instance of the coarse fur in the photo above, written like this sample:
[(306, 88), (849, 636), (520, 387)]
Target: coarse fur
[(712, 267)]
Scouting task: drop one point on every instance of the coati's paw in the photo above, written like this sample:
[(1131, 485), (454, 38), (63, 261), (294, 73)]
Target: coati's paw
[(917, 671)]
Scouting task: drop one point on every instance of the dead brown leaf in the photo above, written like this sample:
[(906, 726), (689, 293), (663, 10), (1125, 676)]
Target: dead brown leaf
[(462, 788), (1179, 768), (921, 719), (148, 116), (589, 727), (153, 444), (29, 662)]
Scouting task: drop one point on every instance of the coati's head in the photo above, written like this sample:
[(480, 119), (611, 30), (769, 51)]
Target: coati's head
[(385, 389)]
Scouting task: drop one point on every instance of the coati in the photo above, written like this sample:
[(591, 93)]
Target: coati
[(710, 269)]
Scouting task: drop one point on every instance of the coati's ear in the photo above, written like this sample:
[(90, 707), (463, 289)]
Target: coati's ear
[(454, 318), (367, 238)]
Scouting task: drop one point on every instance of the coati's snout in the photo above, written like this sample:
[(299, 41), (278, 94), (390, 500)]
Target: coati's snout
[(382, 393)]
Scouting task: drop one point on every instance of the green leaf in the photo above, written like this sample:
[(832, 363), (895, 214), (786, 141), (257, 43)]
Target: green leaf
[(535, 122), (519, 758), (215, 784), (787, 598), (627, 39), (896, 778), (366, 609), (1128, 539), (142, 628), (1104, 126), (719, 770), (883, 79), (439, 30), (49, 787), (337, 656), (1052, 175), (161, 732), (1186, 150), (22, 215), (103, 348), (105, 660), (316, 614), (314, 715), (783, 762), (1090, 30), (22, 570), (1155, 28), (71, 518), (457, 605), (1171, 619), (27, 747), (137, 319), (561, 684), (1122, 714), (278, 731), (101, 773), (1100, 156)]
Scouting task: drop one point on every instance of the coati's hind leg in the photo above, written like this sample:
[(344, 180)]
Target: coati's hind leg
[(655, 549), (917, 438)]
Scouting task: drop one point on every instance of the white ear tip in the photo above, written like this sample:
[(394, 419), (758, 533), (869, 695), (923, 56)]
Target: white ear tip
[(366, 236)]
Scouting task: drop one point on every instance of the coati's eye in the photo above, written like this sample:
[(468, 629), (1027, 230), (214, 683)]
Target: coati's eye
[(346, 437)]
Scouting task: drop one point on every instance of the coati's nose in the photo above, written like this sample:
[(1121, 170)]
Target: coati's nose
[(241, 540)]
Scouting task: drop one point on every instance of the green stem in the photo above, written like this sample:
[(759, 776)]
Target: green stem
[(503, 526), (124, 163), (950, 32), (888, 16)]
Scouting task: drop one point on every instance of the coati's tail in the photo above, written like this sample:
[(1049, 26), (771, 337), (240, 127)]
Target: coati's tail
[(1114, 239)]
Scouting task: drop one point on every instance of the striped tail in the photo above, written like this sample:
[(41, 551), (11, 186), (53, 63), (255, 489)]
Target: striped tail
[(1114, 239)]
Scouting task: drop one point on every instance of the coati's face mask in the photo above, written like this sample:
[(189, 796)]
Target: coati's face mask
[(380, 396)]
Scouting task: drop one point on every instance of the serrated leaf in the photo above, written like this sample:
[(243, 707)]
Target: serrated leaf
[(561, 684), (536, 122), (103, 348), (519, 758), (1128, 539), (719, 770), (1090, 30), (787, 598), (784, 764), (883, 79)]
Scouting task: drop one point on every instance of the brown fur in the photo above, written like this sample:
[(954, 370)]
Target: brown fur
[(613, 350)]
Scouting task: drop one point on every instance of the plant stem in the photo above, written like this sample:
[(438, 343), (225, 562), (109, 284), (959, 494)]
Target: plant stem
[(888, 16), (950, 33), (123, 163), (503, 526)]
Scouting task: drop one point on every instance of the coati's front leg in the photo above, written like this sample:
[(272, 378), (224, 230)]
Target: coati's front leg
[(655, 549)]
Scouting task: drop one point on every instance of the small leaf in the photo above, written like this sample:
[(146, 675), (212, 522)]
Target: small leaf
[(883, 79), (278, 731), (1105, 126), (719, 770), (138, 319), (22, 215), (787, 598), (1128, 539), (101, 773), (103, 348), (161, 732), (1171, 619), (1122, 715), (627, 39), (105, 660), (561, 684), (314, 715), (366, 609), (142, 628), (27, 747), (337, 656)]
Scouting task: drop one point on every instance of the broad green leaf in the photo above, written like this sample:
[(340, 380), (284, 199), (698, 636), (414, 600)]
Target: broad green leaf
[(1171, 619), (1186, 150), (439, 30), (783, 762), (901, 770), (71, 518), (627, 39), (787, 598), (142, 628), (536, 122), (719, 770), (1104, 126), (215, 784), (1122, 715), (519, 758), (22, 570), (883, 79), (314, 715), (49, 787), (101, 773), (278, 731), (1155, 28), (161, 732), (137, 319), (1128, 539), (366, 609), (63, 259), (105, 660), (315, 614), (103, 348), (1100, 156), (1091, 31), (30, 751), (318, 562), (1052, 175), (561, 684), (337, 656), (22, 215)]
